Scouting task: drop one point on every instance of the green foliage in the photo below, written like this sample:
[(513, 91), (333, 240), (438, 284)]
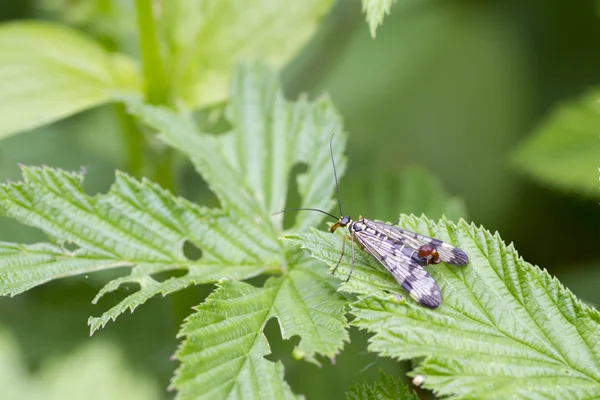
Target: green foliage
[(136, 224), (563, 152), (73, 376), (421, 193), (139, 225), (386, 388), (206, 38), (506, 329), (223, 354), (412, 191), (49, 72), (376, 10)]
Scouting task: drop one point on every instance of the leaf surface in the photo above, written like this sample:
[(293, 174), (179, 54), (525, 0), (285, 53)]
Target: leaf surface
[(207, 38), (223, 354), (50, 72), (505, 329), (563, 150), (386, 388), (142, 227)]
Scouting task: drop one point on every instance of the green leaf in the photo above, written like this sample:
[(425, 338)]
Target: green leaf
[(143, 227), (563, 151), (50, 72), (248, 168), (54, 379), (421, 193), (136, 224), (206, 38), (376, 10), (386, 388), (223, 355), (505, 329)]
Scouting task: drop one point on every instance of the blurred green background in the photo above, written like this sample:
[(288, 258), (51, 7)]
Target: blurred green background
[(450, 86)]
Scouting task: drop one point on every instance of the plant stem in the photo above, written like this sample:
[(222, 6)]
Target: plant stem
[(164, 169), (156, 84), (152, 63), (134, 141)]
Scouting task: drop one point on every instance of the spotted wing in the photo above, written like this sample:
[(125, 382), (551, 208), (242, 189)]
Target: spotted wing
[(448, 253), (410, 275)]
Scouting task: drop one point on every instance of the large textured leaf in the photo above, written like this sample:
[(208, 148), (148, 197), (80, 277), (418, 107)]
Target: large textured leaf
[(505, 329), (140, 226), (248, 168), (563, 151), (49, 72), (386, 388), (206, 38), (136, 224), (223, 355)]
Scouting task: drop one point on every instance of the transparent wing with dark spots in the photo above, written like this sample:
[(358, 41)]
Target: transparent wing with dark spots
[(410, 275), (448, 253)]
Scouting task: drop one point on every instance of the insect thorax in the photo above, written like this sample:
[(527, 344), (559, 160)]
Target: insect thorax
[(356, 226)]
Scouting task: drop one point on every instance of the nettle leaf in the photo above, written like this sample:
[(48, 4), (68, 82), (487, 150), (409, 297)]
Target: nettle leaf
[(136, 224), (206, 38), (376, 10), (386, 388), (563, 151), (143, 227), (223, 355), (505, 329), (248, 169), (50, 72)]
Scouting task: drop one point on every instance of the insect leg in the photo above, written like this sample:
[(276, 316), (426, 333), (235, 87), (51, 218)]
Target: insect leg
[(341, 256), (351, 269)]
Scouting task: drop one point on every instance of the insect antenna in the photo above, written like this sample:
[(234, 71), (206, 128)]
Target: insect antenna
[(337, 187), (305, 209)]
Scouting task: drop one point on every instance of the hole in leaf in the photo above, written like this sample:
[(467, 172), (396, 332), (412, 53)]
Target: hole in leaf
[(163, 276), (191, 251), (70, 246)]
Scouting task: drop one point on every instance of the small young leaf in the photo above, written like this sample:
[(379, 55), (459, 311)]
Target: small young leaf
[(376, 10), (49, 72), (206, 38), (505, 329), (386, 388), (563, 151)]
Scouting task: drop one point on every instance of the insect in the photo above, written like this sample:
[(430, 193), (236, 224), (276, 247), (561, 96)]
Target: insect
[(402, 252)]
